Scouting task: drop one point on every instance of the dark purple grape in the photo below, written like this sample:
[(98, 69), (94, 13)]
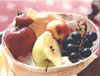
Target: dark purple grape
[(87, 43), (92, 36), (79, 50), (76, 36), (86, 52), (67, 41), (74, 57), (71, 48), (76, 42)]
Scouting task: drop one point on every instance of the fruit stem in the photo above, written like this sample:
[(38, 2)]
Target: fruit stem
[(19, 13), (47, 65), (85, 30), (79, 27)]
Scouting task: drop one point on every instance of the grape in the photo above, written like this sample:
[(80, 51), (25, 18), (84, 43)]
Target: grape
[(92, 36), (74, 57), (86, 52), (87, 43), (76, 42), (70, 48), (79, 50), (76, 36), (66, 41)]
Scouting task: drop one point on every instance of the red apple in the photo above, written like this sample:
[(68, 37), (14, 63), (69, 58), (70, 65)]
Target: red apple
[(23, 20), (59, 29), (20, 41)]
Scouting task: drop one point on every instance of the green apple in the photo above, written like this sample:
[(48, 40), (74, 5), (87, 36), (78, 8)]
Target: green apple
[(46, 49)]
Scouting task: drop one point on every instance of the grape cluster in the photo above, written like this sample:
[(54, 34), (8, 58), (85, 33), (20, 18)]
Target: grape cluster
[(78, 47)]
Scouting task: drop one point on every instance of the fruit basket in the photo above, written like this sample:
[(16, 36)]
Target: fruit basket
[(17, 68)]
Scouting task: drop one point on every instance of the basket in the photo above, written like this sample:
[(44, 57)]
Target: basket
[(15, 68)]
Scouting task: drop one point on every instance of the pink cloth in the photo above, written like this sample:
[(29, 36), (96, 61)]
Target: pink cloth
[(9, 9)]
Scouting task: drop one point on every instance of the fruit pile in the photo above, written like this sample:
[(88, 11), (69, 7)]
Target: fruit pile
[(77, 46), (57, 39)]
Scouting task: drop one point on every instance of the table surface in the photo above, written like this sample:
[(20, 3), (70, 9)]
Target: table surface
[(83, 7)]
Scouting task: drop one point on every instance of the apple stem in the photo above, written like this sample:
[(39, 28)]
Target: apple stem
[(19, 13), (47, 65)]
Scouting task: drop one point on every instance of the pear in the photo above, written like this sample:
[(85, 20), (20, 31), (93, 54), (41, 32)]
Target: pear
[(46, 51)]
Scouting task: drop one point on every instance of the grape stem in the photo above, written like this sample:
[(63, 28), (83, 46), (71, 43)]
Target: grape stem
[(85, 30), (79, 27)]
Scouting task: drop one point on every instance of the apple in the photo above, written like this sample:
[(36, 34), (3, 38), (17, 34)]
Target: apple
[(59, 29), (46, 51), (23, 20), (20, 41)]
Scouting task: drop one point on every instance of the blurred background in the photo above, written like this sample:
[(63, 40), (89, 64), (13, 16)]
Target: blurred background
[(9, 9)]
